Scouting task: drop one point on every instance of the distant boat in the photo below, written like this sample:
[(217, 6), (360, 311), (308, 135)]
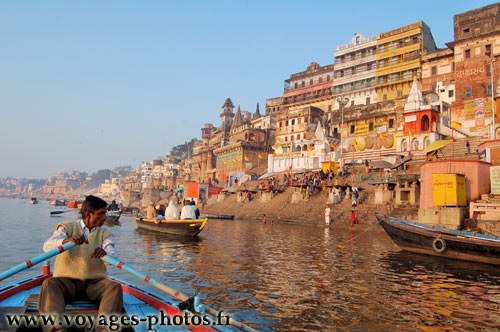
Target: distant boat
[(57, 202), (176, 227), (112, 218), (73, 204), (443, 242), (33, 200), (218, 216)]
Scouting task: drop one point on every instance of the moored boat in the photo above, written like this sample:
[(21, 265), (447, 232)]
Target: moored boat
[(443, 242), (177, 227), (21, 298), (218, 216)]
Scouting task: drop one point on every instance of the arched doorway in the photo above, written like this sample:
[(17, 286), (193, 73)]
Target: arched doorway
[(424, 123), (404, 145), (414, 144), (427, 141)]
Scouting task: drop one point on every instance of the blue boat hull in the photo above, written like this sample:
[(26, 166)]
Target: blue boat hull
[(437, 241)]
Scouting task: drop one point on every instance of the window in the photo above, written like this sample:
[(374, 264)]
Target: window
[(352, 102), (357, 40), (391, 123), (311, 82), (296, 85), (293, 122), (468, 92), (303, 83), (305, 120), (467, 54), (298, 136), (320, 79), (291, 138), (327, 77), (400, 93), (450, 93), (369, 66), (433, 70), (298, 120), (424, 123), (367, 100), (466, 32), (281, 124), (341, 73), (352, 129), (488, 50), (286, 138), (385, 97), (488, 90), (370, 126)]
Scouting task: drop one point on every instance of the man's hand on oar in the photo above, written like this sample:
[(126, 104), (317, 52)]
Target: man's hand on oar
[(77, 239), (98, 253)]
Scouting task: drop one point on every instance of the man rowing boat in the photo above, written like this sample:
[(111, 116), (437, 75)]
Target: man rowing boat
[(79, 273)]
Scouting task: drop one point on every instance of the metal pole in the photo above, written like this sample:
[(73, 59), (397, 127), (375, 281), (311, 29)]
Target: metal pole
[(492, 101)]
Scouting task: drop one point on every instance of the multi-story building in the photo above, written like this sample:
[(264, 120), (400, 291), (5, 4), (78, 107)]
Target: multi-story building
[(274, 105), (476, 49), (310, 87), (399, 59), (438, 81), (355, 68), (244, 150)]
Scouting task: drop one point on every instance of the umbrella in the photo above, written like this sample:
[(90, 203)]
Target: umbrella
[(436, 145)]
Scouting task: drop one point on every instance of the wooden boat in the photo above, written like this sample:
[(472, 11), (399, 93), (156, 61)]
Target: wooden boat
[(33, 200), (57, 202), (21, 297), (443, 242), (176, 227), (218, 216), (73, 204), (112, 218)]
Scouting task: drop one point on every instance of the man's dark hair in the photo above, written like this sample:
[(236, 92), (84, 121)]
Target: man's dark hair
[(193, 202), (92, 204)]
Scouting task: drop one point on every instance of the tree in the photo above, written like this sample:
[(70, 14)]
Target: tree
[(181, 151), (123, 170)]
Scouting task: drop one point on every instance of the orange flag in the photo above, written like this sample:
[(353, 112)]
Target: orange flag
[(410, 133), (246, 159), (224, 162), (332, 145), (383, 136), (310, 148), (260, 157)]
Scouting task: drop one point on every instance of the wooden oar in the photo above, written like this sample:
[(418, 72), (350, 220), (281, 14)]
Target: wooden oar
[(59, 212), (178, 295), (30, 262)]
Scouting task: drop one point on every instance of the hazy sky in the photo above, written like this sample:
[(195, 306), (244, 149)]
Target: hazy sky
[(87, 85)]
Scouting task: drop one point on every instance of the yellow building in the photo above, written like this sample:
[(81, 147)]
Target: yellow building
[(399, 59)]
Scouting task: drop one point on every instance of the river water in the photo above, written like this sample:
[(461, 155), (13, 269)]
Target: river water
[(286, 277)]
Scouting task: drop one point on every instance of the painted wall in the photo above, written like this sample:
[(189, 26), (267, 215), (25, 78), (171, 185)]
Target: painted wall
[(477, 178)]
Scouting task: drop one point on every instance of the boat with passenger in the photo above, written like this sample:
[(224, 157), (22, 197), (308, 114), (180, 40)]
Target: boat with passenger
[(186, 227)]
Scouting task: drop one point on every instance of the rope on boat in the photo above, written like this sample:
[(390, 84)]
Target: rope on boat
[(192, 303), (34, 261)]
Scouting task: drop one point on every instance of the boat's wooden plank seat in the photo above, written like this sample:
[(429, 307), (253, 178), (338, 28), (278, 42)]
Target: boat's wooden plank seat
[(73, 308)]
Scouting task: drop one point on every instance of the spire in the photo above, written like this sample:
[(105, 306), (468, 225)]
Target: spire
[(228, 104), (238, 120), (415, 99), (257, 113)]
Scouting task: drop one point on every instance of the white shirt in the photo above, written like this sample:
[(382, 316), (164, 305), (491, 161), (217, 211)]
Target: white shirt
[(188, 212), (60, 235)]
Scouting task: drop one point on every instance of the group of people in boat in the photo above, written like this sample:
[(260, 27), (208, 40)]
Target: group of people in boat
[(188, 211)]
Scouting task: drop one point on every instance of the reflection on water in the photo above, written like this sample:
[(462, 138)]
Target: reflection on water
[(293, 277)]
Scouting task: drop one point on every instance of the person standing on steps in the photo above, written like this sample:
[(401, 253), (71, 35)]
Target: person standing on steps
[(354, 220), (467, 145)]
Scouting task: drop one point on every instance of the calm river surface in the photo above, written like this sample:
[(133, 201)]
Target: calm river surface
[(289, 277)]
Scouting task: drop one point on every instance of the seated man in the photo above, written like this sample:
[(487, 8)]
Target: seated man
[(79, 273), (188, 212)]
